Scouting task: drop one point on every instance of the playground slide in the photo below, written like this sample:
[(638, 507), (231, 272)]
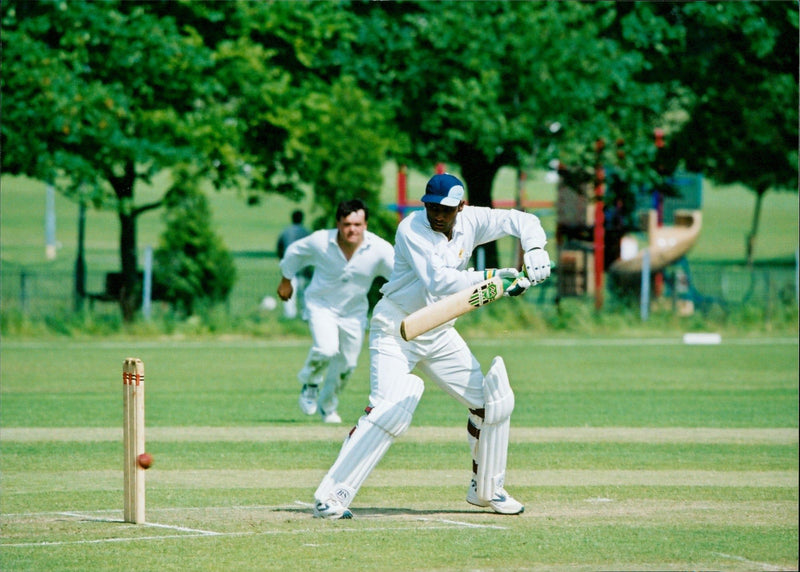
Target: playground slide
[(666, 243)]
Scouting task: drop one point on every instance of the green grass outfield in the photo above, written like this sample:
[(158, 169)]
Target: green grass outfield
[(630, 454)]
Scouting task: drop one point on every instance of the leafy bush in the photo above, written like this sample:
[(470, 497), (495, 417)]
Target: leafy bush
[(193, 267)]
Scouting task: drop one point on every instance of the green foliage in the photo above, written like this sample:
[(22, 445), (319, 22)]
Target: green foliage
[(100, 97), (539, 81), (489, 99), (89, 87), (739, 61), (344, 143), (193, 268), (287, 97)]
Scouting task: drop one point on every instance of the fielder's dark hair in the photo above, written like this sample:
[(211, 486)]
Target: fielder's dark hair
[(297, 216), (346, 208)]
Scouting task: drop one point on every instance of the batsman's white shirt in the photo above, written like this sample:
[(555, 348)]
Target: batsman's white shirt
[(429, 267), (339, 285)]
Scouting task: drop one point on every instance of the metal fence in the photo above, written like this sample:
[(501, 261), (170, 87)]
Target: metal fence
[(38, 293), (738, 285)]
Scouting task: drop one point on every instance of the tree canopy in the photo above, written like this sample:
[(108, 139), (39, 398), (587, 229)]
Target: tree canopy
[(486, 85), (734, 66), (99, 97), (289, 97)]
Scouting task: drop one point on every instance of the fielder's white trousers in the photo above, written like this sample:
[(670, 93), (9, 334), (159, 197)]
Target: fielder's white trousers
[(336, 344), (441, 355)]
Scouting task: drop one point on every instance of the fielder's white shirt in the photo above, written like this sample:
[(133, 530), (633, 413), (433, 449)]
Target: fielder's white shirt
[(338, 284), (428, 267)]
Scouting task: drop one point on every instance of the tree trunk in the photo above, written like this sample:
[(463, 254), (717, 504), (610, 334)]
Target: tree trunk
[(751, 237), (479, 175), (131, 289)]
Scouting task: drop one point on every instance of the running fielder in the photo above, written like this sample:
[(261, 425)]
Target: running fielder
[(432, 250), (346, 260)]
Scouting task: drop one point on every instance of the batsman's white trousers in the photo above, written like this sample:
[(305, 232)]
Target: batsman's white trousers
[(336, 345), (441, 355)]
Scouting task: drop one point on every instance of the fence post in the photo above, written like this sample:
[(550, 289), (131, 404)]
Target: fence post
[(402, 177), (50, 244), (147, 286), (770, 296), (599, 225), (797, 276), (644, 303), (23, 291)]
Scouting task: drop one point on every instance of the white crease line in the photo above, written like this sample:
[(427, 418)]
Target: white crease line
[(183, 529), (764, 565), (150, 524), (215, 535), (159, 510), (131, 539), (464, 524), (677, 340)]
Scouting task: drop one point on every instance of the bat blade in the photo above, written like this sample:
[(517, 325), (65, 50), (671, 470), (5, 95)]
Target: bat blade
[(450, 307)]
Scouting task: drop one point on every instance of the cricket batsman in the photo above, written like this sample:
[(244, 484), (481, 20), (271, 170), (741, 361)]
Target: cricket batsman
[(432, 250)]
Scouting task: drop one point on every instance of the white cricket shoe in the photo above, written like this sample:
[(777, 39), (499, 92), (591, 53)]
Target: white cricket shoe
[(332, 509), (308, 399), (331, 417), (501, 503)]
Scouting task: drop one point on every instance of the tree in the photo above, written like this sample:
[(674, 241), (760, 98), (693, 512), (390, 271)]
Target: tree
[(739, 64), (346, 140), (98, 97), (340, 135), (483, 85)]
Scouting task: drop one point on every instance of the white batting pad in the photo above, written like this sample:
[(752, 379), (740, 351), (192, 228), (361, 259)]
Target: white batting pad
[(492, 451), (369, 441)]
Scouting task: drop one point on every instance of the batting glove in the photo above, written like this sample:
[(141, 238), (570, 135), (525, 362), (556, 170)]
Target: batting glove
[(514, 283), (503, 273), (537, 265), (517, 286)]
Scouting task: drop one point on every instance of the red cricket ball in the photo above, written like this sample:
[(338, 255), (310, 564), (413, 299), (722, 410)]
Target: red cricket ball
[(145, 460)]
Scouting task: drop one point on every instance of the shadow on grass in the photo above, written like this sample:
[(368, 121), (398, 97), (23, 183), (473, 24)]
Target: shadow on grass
[(395, 512)]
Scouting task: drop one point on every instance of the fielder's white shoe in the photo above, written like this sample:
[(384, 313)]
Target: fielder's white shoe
[(308, 399), (332, 509), (331, 417), (501, 503)]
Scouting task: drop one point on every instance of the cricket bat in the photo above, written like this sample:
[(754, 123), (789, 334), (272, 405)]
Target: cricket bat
[(453, 306)]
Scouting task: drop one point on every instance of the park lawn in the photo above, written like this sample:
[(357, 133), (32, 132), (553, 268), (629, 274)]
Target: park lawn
[(630, 454), (727, 217)]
